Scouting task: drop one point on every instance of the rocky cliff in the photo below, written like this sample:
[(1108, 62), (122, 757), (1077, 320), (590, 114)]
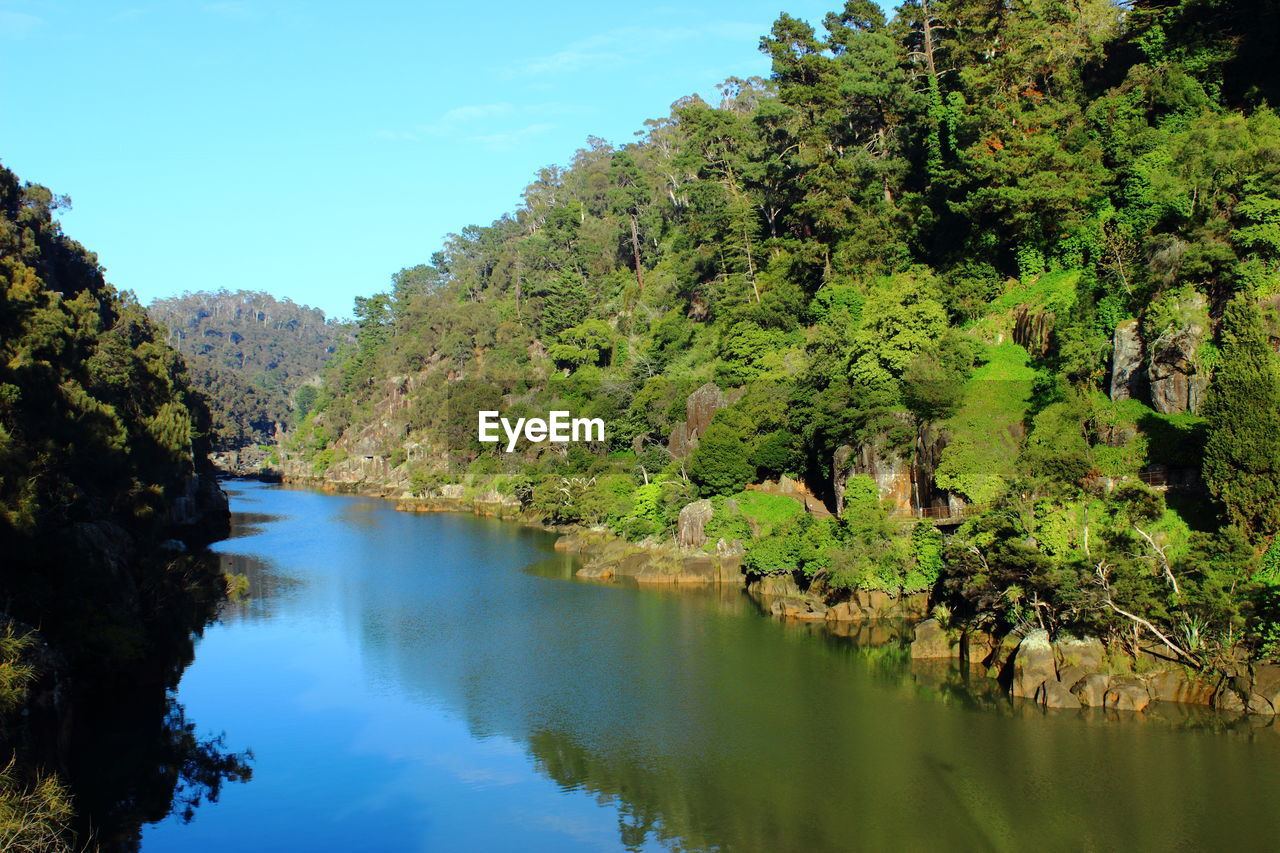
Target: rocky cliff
[(1161, 365), (903, 476)]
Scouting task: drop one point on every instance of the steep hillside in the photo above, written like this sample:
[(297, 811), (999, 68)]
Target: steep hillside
[(104, 490), (1011, 269), (252, 355)]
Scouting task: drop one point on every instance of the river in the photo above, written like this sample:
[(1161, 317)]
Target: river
[(441, 682)]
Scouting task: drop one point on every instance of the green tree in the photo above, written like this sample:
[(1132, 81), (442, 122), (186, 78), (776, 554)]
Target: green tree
[(1242, 452)]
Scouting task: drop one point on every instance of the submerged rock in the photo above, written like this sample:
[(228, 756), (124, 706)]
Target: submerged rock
[(799, 609)]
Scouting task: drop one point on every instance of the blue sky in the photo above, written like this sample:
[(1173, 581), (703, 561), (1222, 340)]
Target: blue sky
[(312, 149)]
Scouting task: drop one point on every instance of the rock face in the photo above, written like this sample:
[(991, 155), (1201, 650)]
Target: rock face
[(1127, 378), (692, 523), (1266, 685), (1033, 665), (932, 642), (700, 407), (907, 479), (1033, 329), (1174, 685), (1176, 384)]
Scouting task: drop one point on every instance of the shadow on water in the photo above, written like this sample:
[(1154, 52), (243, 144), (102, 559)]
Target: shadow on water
[(135, 757)]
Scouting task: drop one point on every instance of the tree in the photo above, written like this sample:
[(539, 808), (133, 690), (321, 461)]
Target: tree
[(721, 464), (1242, 452)]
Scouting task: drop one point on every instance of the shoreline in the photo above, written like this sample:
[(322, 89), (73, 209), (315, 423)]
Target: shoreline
[(1027, 667)]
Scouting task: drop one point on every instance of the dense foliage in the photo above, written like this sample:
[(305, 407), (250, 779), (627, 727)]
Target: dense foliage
[(1032, 249), (103, 445), (252, 355)]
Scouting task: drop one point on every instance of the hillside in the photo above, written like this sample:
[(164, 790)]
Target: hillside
[(105, 490), (1016, 269), (252, 355)]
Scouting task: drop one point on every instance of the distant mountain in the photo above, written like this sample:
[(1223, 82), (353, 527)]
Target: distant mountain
[(252, 354)]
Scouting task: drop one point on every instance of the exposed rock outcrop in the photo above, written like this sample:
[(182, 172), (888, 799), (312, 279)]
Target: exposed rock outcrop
[(1033, 329), (1127, 377), (905, 477), (692, 524), (1092, 689), (1086, 653), (700, 408), (1176, 384)]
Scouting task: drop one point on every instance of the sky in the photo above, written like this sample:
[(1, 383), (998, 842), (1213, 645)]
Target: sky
[(312, 149)]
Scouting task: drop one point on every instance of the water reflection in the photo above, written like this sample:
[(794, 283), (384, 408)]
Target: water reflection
[(415, 680)]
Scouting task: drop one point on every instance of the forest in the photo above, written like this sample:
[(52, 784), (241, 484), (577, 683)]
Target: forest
[(252, 355), (106, 495), (1010, 267)]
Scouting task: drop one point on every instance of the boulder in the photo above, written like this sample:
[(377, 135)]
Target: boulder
[(847, 611), (1054, 694), (692, 523), (1084, 652), (799, 610), (1033, 664), (1227, 699), (1266, 683), (1001, 659), (1126, 361), (1126, 697), (596, 573), (977, 646), (1260, 705), (931, 642), (1092, 689), (1070, 676)]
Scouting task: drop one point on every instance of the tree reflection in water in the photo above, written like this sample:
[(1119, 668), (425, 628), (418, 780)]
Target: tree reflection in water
[(142, 762)]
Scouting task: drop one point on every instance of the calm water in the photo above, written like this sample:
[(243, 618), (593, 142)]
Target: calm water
[(439, 682)]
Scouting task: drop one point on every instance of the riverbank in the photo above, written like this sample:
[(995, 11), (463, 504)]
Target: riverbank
[(1027, 666)]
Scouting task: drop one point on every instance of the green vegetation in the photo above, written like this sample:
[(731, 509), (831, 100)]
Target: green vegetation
[(101, 438), (252, 356), (908, 250)]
